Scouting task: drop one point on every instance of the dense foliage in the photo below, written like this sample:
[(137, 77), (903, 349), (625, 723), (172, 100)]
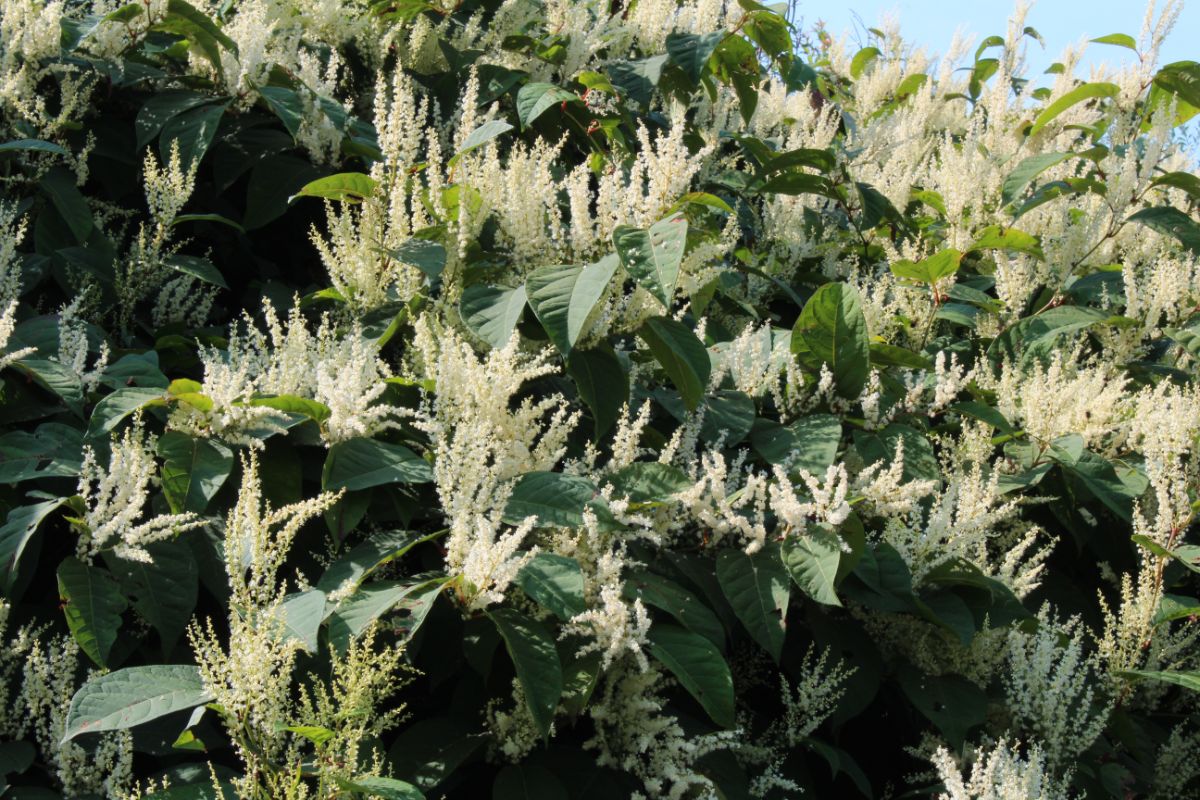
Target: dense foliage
[(552, 399)]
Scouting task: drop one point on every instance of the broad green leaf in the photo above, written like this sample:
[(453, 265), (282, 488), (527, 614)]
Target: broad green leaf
[(300, 616), (649, 481), (1186, 555), (862, 59), (134, 695), (1034, 334), (637, 79), (531, 648), (951, 702), (387, 788), (555, 583), (291, 404), (371, 601), (1118, 39), (889, 355), (1009, 239), (492, 312), (1087, 91), (602, 384), (115, 407), (58, 184), (164, 591), (1173, 607), (698, 666), (481, 136), (194, 130), (18, 529), (1184, 181), (1188, 680), (528, 782), (1026, 171), (1171, 222), (812, 558), (652, 256), (160, 109), (809, 443), (533, 99), (425, 255), (683, 357), (429, 749), (32, 145), (940, 265), (757, 587), (286, 105), (563, 297), (92, 603), (691, 51), (193, 470), (832, 330), (362, 463), (345, 187), (382, 547), (53, 450), (664, 594), (554, 498), (199, 268)]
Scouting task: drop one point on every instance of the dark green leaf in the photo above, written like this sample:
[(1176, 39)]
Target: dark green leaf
[(131, 696), (652, 256), (555, 583), (93, 604), (193, 470), (757, 587), (554, 498), (698, 666), (563, 297), (683, 357), (532, 651), (492, 312), (832, 330), (812, 558), (362, 463)]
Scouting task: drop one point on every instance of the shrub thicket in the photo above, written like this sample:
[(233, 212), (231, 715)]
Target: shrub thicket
[(552, 399)]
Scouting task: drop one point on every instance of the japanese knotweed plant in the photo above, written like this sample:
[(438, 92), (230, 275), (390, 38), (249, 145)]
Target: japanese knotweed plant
[(588, 399)]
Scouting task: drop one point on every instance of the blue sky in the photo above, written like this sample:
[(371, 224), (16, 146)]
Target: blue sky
[(932, 23)]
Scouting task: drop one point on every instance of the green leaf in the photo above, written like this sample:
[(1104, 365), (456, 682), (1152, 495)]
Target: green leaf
[(355, 614), (691, 51), (832, 330), (534, 99), (199, 268), (563, 297), (1088, 91), (951, 702), (18, 529), (812, 558), (698, 666), (387, 788), (365, 558), (217, 218), (93, 604), (362, 463), (195, 130), (286, 105), (683, 357), (555, 583), (58, 184), (427, 256), (809, 443), (32, 145), (602, 384), (862, 59), (481, 136), (134, 695), (649, 482), (115, 407), (492, 312), (652, 256), (528, 782), (636, 80), (193, 470), (666, 595), (345, 187), (429, 749), (532, 651), (1118, 39), (889, 355), (160, 109), (1171, 222), (291, 404), (1184, 181), (164, 592), (1188, 680), (757, 587), (929, 270), (555, 498), (300, 616), (1026, 171), (1009, 239)]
